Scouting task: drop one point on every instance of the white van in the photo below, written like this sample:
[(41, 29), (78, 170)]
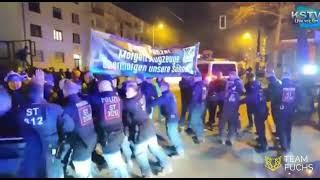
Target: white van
[(209, 69)]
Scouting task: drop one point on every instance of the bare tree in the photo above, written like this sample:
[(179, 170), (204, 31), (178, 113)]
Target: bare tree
[(275, 10)]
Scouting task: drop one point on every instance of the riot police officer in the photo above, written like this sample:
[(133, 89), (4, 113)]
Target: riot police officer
[(286, 111), (273, 94), (150, 93), (216, 91), (84, 137), (186, 93), (107, 113), (168, 107), (11, 128), (141, 131), (199, 95), (49, 120), (260, 112), (15, 88), (250, 104), (230, 114)]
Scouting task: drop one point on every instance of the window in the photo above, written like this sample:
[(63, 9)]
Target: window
[(57, 35), (76, 3), (35, 30), (56, 12), (39, 56), (59, 56), (75, 38), (75, 18), (34, 6)]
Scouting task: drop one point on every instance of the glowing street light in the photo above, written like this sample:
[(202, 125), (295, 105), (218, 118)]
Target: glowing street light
[(160, 26), (247, 36)]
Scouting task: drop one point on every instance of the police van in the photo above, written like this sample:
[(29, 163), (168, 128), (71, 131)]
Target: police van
[(209, 69)]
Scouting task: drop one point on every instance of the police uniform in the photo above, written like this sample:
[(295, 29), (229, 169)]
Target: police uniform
[(168, 108), (216, 91), (273, 94), (142, 133), (45, 118), (84, 136), (149, 91), (230, 109), (107, 112), (199, 95), (286, 111), (250, 104), (186, 94), (260, 112)]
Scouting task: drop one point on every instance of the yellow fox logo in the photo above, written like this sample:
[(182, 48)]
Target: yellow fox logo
[(272, 164)]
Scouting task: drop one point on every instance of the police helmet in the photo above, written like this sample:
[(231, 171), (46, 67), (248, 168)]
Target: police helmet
[(13, 76)]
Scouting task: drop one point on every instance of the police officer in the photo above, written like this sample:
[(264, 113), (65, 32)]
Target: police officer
[(10, 128), (186, 93), (287, 108), (107, 112), (273, 94), (199, 95), (215, 97), (141, 132), (84, 137), (260, 112), (14, 86), (150, 93), (168, 107), (250, 104), (48, 120), (230, 109)]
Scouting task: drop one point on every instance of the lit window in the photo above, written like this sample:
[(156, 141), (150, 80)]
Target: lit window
[(57, 35)]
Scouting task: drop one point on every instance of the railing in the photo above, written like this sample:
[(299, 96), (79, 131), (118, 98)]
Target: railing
[(8, 50)]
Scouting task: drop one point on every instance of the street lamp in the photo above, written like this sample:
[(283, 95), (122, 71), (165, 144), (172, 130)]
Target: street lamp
[(247, 36), (160, 26)]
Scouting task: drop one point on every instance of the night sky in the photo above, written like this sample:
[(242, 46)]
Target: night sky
[(200, 19)]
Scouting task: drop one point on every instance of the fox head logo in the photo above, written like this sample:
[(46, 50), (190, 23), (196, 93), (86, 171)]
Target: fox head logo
[(272, 164)]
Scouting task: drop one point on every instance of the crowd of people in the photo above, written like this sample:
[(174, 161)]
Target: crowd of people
[(67, 119)]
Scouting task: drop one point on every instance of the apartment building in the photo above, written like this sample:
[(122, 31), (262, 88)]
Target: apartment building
[(61, 30)]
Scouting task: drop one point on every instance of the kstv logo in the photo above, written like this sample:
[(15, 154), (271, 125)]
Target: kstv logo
[(309, 17)]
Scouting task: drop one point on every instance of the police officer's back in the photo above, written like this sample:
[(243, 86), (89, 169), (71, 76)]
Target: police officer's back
[(81, 112), (107, 113), (135, 116), (48, 120)]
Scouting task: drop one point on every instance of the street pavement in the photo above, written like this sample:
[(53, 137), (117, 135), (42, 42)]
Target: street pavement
[(211, 159)]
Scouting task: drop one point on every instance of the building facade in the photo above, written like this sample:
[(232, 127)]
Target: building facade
[(61, 30)]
